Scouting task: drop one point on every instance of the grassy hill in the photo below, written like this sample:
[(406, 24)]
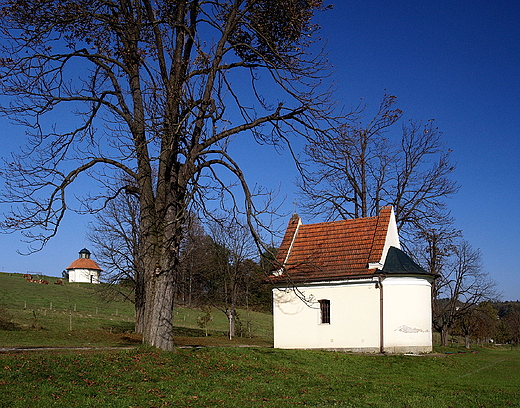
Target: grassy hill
[(81, 314)]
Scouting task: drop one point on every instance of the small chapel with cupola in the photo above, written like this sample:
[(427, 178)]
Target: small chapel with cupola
[(84, 269)]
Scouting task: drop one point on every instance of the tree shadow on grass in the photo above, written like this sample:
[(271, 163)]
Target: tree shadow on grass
[(131, 340), (187, 332), (8, 326), (191, 332), (6, 320)]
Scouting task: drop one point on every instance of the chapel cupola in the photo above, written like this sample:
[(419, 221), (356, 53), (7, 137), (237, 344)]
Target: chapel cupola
[(84, 254)]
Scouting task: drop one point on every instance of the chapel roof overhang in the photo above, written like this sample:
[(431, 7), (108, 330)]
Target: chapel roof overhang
[(84, 263), (397, 262)]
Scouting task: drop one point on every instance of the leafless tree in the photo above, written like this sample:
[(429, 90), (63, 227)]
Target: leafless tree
[(356, 170), (234, 247), (461, 286), (116, 240), (159, 89)]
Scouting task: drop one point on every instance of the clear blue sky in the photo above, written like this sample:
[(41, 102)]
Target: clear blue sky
[(457, 62)]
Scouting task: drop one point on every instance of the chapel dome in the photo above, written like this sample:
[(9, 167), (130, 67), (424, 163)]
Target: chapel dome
[(84, 261)]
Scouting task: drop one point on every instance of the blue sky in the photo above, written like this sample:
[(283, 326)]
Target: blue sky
[(457, 62)]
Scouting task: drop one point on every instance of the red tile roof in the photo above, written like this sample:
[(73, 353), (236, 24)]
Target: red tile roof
[(332, 250), (84, 263)]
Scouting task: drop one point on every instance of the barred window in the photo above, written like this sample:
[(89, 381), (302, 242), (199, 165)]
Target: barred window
[(325, 311)]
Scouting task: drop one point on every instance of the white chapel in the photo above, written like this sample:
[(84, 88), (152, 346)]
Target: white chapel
[(84, 269), (346, 285)]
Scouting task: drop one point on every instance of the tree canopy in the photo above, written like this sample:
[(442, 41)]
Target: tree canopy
[(360, 167), (158, 90)]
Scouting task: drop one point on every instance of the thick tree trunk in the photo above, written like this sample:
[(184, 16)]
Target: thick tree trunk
[(161, 253), (139, 319), (140, 303), (159, 311)]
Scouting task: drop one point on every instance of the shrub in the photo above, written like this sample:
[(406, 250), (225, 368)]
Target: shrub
[(6, 320)]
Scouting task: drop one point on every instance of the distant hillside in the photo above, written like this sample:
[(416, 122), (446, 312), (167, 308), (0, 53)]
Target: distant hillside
[(78, 314), (18, 292)]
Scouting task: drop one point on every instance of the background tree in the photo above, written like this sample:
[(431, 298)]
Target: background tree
[(479, 323), (461, 286), (509, 324), (195, 264), (358, 169), (116, 240), (512, 321), (233, 248), (155, 93)]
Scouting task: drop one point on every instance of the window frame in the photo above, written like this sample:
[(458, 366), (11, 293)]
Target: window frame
[(324, 311)]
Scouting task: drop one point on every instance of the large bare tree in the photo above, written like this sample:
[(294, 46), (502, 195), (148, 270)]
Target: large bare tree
[(159, 89), (361, 167)]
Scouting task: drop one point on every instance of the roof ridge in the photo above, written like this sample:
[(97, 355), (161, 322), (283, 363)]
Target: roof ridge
[(380, 225), (347, 220), (298, 225)]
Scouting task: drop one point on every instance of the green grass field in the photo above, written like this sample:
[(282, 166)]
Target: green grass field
[(216, 376), (85, 315), (257, 377)]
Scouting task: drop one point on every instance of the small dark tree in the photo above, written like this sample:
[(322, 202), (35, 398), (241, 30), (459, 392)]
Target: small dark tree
[(204, 318)]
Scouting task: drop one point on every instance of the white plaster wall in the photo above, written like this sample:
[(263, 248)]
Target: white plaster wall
[(354, 316), (83, 275), (407, 314)]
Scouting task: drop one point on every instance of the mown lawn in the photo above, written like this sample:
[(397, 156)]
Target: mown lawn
[(258, 377)]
